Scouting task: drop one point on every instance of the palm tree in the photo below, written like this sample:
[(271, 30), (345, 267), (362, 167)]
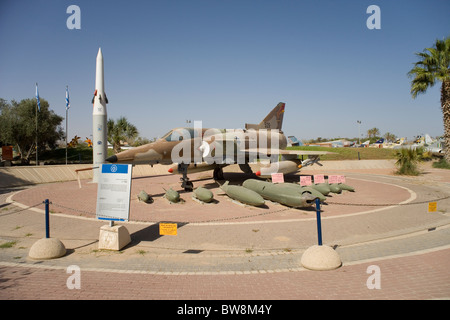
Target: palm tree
[(120, 131), (407, 160), (373, 133), (390, 137), (434, 66)]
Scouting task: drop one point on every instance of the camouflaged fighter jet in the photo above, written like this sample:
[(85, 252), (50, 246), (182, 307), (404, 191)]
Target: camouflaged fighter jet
[(198, 149)]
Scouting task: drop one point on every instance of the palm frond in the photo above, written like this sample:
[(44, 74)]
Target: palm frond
[(433, 65)]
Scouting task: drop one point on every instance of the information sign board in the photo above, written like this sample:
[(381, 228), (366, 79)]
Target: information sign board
[(305, 180), (277, 178), (7, 153), (319, 178), (167, 229), (432, 206), (113, 193), (333, 179)]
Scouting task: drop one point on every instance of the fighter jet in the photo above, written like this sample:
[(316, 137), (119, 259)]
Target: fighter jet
[(199, 149)]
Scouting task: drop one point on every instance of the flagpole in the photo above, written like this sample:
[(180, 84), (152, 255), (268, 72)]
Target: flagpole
[(37, 103), (67, 116), (36, 134), (66, 136)]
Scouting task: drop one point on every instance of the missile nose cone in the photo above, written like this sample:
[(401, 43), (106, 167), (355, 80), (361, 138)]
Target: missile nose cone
[(258, 173), (112, 159), (170, 170)]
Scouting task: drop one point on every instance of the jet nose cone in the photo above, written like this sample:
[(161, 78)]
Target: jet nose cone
[(112, 159)]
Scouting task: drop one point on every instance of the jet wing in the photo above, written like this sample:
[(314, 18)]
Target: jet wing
[(288, 152)]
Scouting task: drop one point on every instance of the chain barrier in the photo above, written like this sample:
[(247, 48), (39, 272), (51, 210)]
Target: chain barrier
[(20, 210), (247, 216), (283, 209), (388, 204), (202, 221), (73, 209)]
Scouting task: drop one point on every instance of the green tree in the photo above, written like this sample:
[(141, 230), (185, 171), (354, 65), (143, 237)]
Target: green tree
[(390, 137), (141, 141), (373, 134), (18, 126), (120, 131), (434, 66)]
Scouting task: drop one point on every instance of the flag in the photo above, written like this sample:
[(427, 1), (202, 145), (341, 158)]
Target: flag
[(37, 98), (67, 98)]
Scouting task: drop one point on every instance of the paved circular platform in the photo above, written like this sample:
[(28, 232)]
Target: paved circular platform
[(386, 217), (69, 198)]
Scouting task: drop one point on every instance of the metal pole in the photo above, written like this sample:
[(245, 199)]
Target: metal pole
[(36, 133), (319, 225), (359, 131), (67, 117), (66, 134), (47, 219)]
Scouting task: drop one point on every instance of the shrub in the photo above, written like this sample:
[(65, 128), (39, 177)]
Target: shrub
[(441, 164), (407, 160)]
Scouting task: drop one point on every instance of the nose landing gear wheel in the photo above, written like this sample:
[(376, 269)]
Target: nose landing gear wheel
[(218, 174), (187, 185)]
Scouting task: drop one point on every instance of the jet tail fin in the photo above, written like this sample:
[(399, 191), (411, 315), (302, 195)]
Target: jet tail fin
[(274, 120)]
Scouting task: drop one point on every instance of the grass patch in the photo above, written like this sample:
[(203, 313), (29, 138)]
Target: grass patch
[(441, 164), (351, 153), (79, 154), (141, 252), (8, 244)]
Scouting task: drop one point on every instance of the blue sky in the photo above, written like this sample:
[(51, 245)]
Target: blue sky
[(227, 62)]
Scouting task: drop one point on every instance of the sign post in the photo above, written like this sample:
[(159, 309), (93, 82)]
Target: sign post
[(113, 204)]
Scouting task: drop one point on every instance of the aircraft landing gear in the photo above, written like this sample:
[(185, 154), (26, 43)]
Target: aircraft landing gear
[(185, 183), (218, 174)]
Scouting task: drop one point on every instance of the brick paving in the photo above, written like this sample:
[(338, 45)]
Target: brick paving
[(245, 256), (422, 276)]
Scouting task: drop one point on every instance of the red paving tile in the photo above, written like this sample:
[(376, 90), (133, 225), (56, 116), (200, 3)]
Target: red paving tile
[(417, 276), (422, 276)]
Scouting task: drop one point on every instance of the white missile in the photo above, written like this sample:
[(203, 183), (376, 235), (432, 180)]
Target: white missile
[(99, 119)]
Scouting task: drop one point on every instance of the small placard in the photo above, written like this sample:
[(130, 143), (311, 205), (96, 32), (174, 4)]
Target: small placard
[(319, 178), (167, 229), (277, 178), (333, 179), (305, 180), (432, 206), (341, 179), (7, 153)]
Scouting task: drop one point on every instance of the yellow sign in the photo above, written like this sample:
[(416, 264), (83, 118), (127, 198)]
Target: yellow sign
[(432, 206), (167, 229)]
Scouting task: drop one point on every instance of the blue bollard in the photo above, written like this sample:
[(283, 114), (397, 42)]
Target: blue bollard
[(319, 225), (47, 219)]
